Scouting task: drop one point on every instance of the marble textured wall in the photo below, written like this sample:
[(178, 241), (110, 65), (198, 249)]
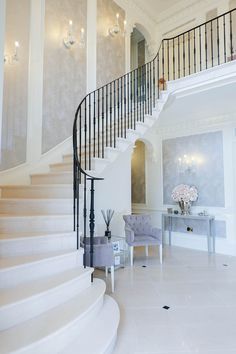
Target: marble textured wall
[(15, 91), (110, 50), (208, 176), (64, 70), (138, 174)]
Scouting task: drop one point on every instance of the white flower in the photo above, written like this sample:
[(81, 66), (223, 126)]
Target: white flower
[(184, 192)]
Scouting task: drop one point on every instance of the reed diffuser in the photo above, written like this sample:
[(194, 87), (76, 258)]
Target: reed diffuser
[(107, 216)]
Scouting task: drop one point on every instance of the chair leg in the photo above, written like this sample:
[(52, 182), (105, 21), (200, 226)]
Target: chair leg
[(146, 251), (106, 271), (160, 252), (112, 279), (131, 256)]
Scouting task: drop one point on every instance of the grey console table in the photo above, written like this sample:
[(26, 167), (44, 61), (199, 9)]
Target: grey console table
[(209, 221)]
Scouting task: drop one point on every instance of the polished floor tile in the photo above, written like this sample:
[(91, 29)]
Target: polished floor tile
[(200, 291)]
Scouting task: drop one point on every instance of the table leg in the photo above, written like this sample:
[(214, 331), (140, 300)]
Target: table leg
[(170, 228), (208, 236), (212, 229), (163, 228)]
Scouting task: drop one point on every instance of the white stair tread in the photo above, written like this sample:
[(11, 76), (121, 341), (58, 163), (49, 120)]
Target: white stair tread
[(22, 235), (104, 326), (36, 287), (39, 216), (10, 262), (51, 323)]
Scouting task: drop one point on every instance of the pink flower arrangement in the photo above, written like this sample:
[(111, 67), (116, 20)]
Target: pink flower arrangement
[(184, 192)]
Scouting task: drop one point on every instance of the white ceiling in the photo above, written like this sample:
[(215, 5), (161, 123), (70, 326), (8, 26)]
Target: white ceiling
[(154, 8)]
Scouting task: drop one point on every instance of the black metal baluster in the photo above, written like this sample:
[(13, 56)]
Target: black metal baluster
[(94, 124), (218, 41), (163, 64), (140, 92), (91, 224), (184, 54), (148, 93), (173, 44), (114, 120), (145, 88), (158, 77), (212, 46), (194, 50), (200, 47), (154, 83), (110, 92), (150, 73), (168, 60), (125, 99), (143, 68), (106, 112), (85, 213), (178, 59), (231, 36), (80, 134), (118, 106), (137, 97), (89, 131), (128, 101), (224, 40), (98, 132), (103, 122), (121, 107), (131, 99), (206, 56), (134, 97), (77, 208), (85, 133), (189, 60)]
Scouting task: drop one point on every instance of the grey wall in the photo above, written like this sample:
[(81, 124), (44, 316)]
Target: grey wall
[(110, 50), (64, 70), (14, 122), (208, 176)]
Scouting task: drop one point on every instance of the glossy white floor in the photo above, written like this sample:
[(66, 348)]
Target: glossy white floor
[(200, 291)]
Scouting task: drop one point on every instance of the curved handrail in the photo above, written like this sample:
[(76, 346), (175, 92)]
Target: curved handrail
[(131, 72)]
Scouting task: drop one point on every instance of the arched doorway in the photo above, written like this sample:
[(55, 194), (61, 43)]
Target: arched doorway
[(138, 173), (137, 49)]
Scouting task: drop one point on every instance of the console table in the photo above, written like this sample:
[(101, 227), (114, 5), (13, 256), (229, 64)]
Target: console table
[(209, 221)]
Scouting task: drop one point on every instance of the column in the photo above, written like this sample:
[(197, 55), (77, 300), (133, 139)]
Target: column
[(2, 40), (35, 84), (91, 45)]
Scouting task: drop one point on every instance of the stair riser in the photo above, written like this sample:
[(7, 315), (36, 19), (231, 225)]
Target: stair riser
[(36, 207), (55, 192), (37, 245), (21, 311), (52, 179), (20, 274), (62, 167), (58, 341), (42, 224)]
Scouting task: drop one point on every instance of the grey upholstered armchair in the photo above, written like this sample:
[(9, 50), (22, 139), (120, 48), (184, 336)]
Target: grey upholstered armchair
[(139, 232), (103, 255)]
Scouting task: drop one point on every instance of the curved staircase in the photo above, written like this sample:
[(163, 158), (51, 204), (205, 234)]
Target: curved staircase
[(47, 301)]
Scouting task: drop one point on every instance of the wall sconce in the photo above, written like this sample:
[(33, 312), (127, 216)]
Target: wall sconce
[(113, 31), (70, 40), (12, 59), (187, 164)]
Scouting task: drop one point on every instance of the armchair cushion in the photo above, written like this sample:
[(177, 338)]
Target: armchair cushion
[(139, 231)]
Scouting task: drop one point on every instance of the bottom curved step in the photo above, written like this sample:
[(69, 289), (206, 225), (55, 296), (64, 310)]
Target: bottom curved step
[(99, 336)]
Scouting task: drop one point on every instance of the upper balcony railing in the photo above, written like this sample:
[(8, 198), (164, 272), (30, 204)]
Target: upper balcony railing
[(106, 114)]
